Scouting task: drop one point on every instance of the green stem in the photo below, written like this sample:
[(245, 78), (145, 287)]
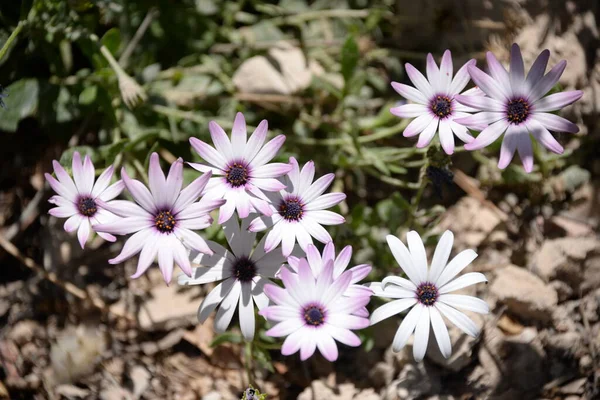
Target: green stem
[(248, 363), (11, 39)]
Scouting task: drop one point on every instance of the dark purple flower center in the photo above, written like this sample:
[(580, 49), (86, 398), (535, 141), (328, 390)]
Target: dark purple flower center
[(244, 269), (164, 221), (237, 174), (441, 106), (517, 111), (291, 209), (314, 315), (427, 293), (87, 206)]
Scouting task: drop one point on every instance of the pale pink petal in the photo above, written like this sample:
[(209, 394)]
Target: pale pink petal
[(525, 150), (165, 261), (274, 237), (446, 136), (419, 80), (134, 245), (542, 135), (482, 118), (125, 226), (180, 255), (221, 141), (147, 255), (102, 182), (206, 168), (485, 83), (192, 240), (433, 74), (238, 136), (174, 183), (324, 217), (83, 181), (191, 193), (267, 153), (482, 103), (418, 124), (488, 135), (343, 335), (156, 181), (273, 170), (64, 212), (307, 174), (327, 347), (226, 211), (317, 188), (140, 193), (409, 93), (288, 238), (208, 153), (517, 71), (509, 146), (547, 82), (73, 222), (461, 132), (293, 342), (500, 76), (256, 140), (537, 69), (428, 133), (83, 232), (557, 101), (461, 79), (409, 110), (112, 191), (555, 123), (286, 327), (446, 70), (64, 191)]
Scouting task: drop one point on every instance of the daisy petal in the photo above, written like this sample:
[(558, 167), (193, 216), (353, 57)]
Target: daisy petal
[(407, 327), (557, 101), (459, 319), (441, 332), (392, 308), (454, 267), (488, 135), (421, 335), (409, 93), (463, 281), (468, 303)]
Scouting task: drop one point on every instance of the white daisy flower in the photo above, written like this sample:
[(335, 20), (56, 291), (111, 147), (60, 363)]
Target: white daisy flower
[(428, 292), (163, 219), (317, 263), (313, 312), (79, 201), (435, 107), (239, 167), (299, 210), (243, 270)]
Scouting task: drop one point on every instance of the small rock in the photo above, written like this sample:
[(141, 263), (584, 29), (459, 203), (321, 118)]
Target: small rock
[(563, 290), (563, 259), (524, 294), (23, 332), (591, 274), (567, 343), (212, 396), (472, 218), (524, 361), (382, 374), (415, 380), (71, 392)]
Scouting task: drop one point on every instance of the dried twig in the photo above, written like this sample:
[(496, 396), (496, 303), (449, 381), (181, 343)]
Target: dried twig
[(70, 288)]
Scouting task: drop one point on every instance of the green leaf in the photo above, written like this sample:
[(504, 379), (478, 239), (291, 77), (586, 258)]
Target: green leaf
[(21, 103), (112, 40), (88, 95), (350, 56), (110, 152), (227, 337)]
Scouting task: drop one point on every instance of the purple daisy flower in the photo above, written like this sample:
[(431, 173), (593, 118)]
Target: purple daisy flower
[(317, 263), (517, 106), (243, 270), (428, 292), (436, 108), (240, 169), (79, 201), (313, 312), (298, 211), (163, 219)]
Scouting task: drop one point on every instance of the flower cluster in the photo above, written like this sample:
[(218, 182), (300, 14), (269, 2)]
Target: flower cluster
[(509, 103), (310, 297)]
